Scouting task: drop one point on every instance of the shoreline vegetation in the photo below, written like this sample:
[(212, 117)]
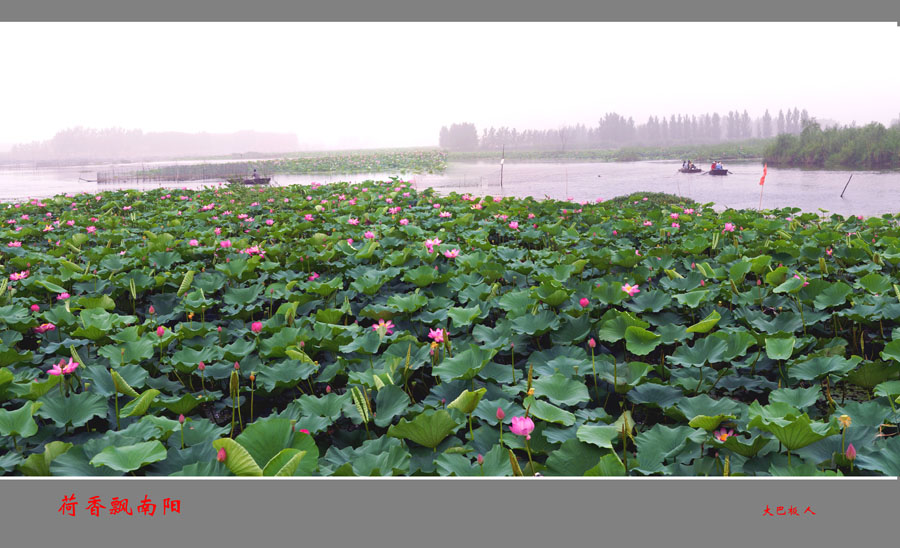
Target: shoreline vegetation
[(374, 329), (871, 147)]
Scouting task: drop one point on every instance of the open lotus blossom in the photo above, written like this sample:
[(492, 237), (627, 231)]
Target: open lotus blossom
[(688, 211), (91, 229), (44, 327), (514, 225), (313, 276), (15, 276), (723, 434), (270, 222), (193, 243), (369, 235), (522, 426), (673, 215), (445, 214), (828, 252), (225, 243), (676, 225), (63, 368), (436, 334), (404, 222), (729, 227), (631, 289), (452, 254), (15, 244), (648, 223), (353, 221), (308, 217), (388, 326), (62, 296)]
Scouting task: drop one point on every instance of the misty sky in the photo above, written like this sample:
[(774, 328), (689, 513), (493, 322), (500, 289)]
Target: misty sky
[(380, 84)]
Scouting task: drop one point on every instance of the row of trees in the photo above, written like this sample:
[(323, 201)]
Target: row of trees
[(614, 130), (870, 147), (118, 143)]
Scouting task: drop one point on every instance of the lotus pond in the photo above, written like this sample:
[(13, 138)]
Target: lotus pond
[(373, 329)]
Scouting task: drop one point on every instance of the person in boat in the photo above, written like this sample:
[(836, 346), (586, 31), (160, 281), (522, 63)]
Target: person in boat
[(713, 166), (683, 164), (255, 174), (719, 165)]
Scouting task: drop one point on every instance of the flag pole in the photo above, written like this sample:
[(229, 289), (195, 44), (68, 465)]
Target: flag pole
[(762, 181)]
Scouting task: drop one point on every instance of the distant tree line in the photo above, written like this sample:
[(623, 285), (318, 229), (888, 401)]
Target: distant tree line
[(869, 147), (118, 143), (614, 131)]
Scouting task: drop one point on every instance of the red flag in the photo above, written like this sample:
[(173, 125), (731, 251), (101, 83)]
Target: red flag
[(762, 179)]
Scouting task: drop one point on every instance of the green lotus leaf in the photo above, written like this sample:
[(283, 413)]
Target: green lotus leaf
[(549, 412), (74, 410), (390, 402), (285, 463), (706, 324), (467, 401), (237, 459), (536, 324), (872, 373), (794, 432), (560, 389), (602, 436), (428, 429), (735, 443), (706, 350), (708, 423), (38, 464), (573, 458), (818, 367), (800, 398), (832, 296), (130, 457), (19, 423), (780, 348), (609, 465), (614, 327), (139, 405), (464, 365), (641, 342)]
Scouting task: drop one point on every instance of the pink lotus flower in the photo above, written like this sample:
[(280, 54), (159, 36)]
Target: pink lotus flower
[(237, 366), (270, 222), (353, 221), (35, 308), (648, 223), (531, 215), (44, 327), (436, 334), (349, 241), (584, 302), (514, 225), (225, 243), (688, 211), (388, 326), (723, 434), (256, 327), (676, 225), (592, 343), (15, 244), (631, 289), (369, 235), (308, 217), (522, 426), (201, 366), (437, 206), (160, 331), (851, 452), (193, 243), (615, 232), (445, 214), (313, 276), (91, 229), (674, 215), (56, 370), (217, 231), (16, 276), (62, 296), (452, 254), (221, 455), (70, 223), (404, 222), (828, 252), (728, 228)]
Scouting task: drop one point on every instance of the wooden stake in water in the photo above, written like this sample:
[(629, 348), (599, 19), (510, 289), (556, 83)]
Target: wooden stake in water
[(845, 186)]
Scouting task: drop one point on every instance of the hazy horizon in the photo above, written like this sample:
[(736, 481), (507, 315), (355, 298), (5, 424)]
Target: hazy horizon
[(372, 85)]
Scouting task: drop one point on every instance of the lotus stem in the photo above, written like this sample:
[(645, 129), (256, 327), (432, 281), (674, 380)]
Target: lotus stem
[(528, 450)]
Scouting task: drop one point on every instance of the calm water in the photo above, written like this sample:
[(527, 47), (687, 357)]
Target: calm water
[(869, 193)]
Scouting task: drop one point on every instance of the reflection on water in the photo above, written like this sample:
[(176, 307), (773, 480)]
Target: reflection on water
[(869, 193)]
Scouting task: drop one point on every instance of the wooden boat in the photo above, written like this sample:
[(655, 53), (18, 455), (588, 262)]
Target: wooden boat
[(718, 172), (250, 181), (689, 170)]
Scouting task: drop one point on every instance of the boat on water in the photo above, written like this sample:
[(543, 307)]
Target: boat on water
[(718, 172), (690, 170), (250, 181)]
